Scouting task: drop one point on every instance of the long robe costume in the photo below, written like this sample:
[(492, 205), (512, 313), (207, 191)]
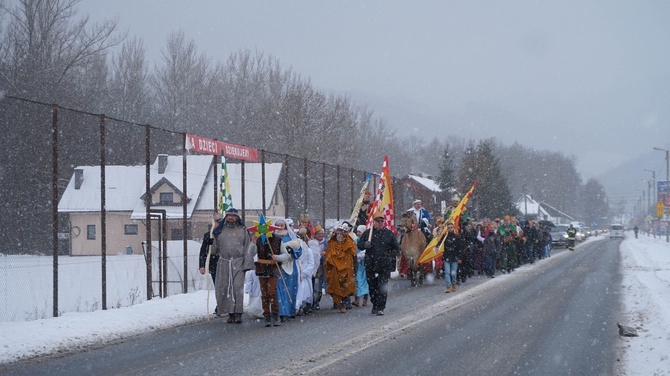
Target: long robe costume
[(305, 266), (339, 268), (231, 245), (287, 285), (362, 287)]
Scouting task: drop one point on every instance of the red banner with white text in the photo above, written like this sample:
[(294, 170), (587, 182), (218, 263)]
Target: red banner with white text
[(215, 147)]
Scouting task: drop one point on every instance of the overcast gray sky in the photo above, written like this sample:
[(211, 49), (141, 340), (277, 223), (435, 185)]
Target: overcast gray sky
[(588, 78)]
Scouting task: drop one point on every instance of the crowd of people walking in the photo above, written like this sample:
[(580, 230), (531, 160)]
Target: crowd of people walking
[(290, 268)]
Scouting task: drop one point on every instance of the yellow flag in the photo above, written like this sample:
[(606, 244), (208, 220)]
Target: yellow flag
[(435, 248)]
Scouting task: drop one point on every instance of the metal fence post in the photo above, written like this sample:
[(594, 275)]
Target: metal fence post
[(184, 205), (103, 211), (147, 205), (54, 204)]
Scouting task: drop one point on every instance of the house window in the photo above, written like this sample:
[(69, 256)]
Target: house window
[(90, 232), (130, 229), (166, 199), (176, 234)]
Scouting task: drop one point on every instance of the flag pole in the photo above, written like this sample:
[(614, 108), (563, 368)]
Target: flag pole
[(281, 275), (209, 255), (359, 202)]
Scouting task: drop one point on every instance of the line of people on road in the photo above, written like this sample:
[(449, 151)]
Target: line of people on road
[(289, 269)]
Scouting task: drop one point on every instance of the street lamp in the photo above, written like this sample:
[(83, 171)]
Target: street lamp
[(648, 204), (641, 201), (667, 179)]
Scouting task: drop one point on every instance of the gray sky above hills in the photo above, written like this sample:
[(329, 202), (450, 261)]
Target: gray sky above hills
[(587, 78)]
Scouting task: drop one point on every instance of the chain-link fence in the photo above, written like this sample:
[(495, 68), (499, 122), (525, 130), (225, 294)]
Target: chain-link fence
[(75, 236)]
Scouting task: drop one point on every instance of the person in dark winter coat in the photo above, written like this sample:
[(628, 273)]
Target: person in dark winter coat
[(452, 256), (543, 237), (363, 212), (491, 248), (380, 253), (204, 249), (469, 236), (530, 235)]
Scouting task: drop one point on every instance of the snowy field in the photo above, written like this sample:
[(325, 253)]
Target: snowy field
[(646, 288), (26, 282)]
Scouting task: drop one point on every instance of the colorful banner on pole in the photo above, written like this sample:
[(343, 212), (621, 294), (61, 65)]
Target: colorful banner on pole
[(384, 200), (225, 198), (436, 246), (359, 202)]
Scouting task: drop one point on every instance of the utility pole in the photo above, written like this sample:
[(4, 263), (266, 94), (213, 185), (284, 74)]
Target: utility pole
[(653, 185), (667, 181)]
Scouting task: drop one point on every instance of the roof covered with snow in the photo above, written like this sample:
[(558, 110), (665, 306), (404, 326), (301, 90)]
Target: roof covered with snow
[(526, 204), (253, 189), (428, 183), (125, 186), (198, 168)]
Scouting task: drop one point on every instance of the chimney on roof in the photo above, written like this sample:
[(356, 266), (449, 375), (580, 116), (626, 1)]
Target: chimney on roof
[(162, 163), (78, 177)]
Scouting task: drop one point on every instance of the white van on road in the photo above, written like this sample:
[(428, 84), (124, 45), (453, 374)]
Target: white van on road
[(616, 231)]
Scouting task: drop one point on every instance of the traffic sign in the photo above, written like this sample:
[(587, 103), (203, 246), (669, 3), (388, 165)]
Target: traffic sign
[(660, 209)]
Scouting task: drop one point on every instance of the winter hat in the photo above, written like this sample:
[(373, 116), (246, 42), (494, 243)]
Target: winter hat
[(342, 228), (417, 201), (318, 229), (360, 228), (378, 215), (232, 211)]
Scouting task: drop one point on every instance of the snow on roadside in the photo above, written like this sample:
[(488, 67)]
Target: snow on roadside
[(646, 304)]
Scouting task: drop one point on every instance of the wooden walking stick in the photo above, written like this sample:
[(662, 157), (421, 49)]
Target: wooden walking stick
[(281, 275)]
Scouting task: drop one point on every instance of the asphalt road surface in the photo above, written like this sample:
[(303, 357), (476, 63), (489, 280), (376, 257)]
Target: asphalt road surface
[(554, 317)]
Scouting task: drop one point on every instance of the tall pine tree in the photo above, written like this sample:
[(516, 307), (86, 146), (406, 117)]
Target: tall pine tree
[(492, 197), (447, 177)]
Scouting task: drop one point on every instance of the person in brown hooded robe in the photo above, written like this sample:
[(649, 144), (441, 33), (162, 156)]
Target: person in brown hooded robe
[(339, 266)]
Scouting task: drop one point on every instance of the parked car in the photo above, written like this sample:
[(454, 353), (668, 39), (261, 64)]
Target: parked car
[(581, 234), (559, 236), (616, 231)]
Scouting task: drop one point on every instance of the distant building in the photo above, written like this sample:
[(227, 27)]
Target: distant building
[(422, 187), (531, 209), (126, 194), (541, 211)]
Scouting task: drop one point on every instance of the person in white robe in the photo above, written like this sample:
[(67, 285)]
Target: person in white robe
[(305, 265)]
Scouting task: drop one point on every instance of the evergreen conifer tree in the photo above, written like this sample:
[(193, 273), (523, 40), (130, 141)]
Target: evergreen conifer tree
[(447, 177), (492, 198)]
